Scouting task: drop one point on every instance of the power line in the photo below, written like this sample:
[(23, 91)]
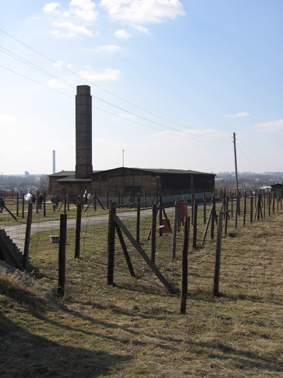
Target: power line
[(176, 132), (112, 94)]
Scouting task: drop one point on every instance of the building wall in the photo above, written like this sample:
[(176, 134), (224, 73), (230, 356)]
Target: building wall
[(123, 185)]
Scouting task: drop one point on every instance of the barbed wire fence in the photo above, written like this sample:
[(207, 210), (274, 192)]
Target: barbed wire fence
[(237, 271)]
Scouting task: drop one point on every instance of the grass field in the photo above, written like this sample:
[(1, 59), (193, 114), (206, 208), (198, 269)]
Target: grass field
[(134, 328)]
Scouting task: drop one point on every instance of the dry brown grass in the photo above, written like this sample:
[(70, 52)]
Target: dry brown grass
[(134, 329)]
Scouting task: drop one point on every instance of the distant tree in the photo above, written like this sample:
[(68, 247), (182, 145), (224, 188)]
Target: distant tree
[(43, 184)]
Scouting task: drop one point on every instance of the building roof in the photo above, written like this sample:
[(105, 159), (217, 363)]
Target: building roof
[(157, 171), (71, 175)]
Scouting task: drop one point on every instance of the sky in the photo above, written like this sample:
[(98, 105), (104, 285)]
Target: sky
[(171, 81)]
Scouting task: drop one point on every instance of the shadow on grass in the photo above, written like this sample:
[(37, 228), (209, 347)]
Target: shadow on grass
[(25, 355), (244, 359)]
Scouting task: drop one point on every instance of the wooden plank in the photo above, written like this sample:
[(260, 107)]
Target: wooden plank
[(143, 254), (126, 254)]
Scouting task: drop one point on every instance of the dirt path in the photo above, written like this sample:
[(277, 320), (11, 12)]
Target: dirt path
[(17, 233)]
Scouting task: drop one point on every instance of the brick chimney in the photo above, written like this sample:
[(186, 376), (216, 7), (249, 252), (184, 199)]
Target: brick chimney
[(83, 132)]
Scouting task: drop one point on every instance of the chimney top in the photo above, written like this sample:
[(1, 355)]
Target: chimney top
[(83, 90)]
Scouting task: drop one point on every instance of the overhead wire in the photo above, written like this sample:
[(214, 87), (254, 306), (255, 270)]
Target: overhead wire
[(176, 132), (98, 98), (255, 154)]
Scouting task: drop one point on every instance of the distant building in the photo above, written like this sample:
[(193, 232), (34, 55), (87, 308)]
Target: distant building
[(277, 187)]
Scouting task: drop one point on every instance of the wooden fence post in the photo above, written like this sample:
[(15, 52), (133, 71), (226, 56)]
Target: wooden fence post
[(111, 243), (174, 237), (264, 203), (78, 230), (37, 196), (17, 203), (192, 208), (184, 283), (273, 202), (27, 239), (212, 218), (153, 233), (217, 256), (160, 216), (232, 205), (23, 205), (65, 203), (251, 208), (145, 204), (204, 208), (195, 224), (62, 255), (245, 209), (44, 204), (237, 210), (138, 219)]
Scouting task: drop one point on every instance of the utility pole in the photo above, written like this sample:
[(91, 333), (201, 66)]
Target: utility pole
[(236, 170), (123, 158)]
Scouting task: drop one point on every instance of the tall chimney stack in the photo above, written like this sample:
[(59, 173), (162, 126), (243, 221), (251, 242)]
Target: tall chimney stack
[(83, 132)]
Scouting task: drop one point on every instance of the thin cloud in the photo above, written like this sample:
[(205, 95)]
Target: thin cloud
[(269, 126), (143, 12), (73, 29), (60, 63), (51, 7), (83, 10), (244, 114), (6, 119), (54, 83), (110, 48), (74, 21), (208, 134), (108, 75), (122, 34)]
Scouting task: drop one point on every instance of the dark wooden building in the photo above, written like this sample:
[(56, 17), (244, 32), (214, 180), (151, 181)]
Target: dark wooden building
[(131, 183)]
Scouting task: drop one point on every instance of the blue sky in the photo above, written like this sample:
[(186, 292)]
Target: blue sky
[(171, 81)]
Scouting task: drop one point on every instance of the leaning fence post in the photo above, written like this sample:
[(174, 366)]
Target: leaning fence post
[(111, 243), (153, 233), (217, 256), (78, 230), (27, 239), (184, 284), (62, 255)]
